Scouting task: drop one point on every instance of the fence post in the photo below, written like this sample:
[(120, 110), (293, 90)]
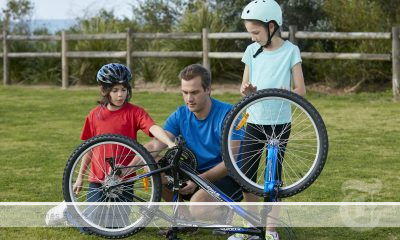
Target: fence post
[(6, 64), (292, 34), (64, 62), (206, 49), (129, 45), (396, 62)]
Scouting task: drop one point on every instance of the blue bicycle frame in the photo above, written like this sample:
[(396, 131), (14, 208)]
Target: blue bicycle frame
[(271, 184)]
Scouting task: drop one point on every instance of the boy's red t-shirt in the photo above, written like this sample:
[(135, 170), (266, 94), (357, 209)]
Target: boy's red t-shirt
[(126, 121)]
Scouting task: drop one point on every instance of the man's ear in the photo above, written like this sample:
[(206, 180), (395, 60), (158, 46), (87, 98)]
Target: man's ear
[(208, 90)]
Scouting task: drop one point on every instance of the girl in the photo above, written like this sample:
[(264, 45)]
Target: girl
[(270, 62), (113, 115)]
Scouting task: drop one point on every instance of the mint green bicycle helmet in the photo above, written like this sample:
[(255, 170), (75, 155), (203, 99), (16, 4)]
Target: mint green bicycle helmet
[(264, 11)]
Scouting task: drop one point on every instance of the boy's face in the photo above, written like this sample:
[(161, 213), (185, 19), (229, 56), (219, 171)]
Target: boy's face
[(194, 95), (118, 95), (258, 32)]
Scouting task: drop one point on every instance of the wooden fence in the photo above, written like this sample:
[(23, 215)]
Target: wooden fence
[(206, 52)]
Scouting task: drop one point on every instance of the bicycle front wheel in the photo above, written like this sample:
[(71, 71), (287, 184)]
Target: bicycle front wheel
[(282, 118), (110, 205)]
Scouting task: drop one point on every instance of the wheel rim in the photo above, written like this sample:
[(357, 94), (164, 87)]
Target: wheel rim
[(303, 145), (103, 214)]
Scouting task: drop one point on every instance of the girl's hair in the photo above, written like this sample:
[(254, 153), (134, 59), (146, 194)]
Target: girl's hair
[(265, 25), (105, 90)]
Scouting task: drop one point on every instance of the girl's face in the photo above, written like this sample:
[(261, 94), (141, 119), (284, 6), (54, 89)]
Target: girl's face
[(118, 96), (257, 31)]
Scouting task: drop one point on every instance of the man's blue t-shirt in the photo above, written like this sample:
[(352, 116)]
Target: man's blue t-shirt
[(203, 137)]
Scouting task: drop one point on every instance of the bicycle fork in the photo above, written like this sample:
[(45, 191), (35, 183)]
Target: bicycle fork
[(271, 183)]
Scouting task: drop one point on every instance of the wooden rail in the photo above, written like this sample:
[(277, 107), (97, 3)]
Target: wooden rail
[(205, 54)]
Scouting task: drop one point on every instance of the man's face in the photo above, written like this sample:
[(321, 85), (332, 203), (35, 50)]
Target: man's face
[(194, 95)]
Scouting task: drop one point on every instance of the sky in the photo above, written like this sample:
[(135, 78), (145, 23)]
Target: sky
[(71, 9)]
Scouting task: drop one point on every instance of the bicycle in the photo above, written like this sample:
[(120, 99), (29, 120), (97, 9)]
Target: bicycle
[(141, 182)]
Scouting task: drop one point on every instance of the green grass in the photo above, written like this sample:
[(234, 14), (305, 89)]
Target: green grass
[(40, 127)]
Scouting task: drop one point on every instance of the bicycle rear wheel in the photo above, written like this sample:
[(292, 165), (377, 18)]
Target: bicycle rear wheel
[(116, 209), (274, 115)]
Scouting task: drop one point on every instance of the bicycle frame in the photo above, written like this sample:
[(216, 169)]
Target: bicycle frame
[(271, 187)]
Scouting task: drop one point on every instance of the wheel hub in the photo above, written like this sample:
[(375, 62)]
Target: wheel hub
[(109, 189)]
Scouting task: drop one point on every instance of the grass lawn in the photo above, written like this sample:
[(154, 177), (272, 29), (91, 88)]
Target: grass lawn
[(40, 127)]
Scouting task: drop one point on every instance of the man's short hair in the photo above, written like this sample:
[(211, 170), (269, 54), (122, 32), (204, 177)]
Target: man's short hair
[(195, 70)]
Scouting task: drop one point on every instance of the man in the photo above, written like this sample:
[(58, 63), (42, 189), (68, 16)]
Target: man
[(200, 123)]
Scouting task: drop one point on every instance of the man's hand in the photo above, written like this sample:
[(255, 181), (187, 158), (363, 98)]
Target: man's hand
[(189, 188), (247, 89)]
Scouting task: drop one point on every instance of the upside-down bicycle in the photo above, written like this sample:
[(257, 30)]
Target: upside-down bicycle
[(274, 144)]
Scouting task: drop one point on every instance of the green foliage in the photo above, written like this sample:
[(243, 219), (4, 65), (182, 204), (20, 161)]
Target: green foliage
[(29, 71), (83, 71), (354, 16), (198, 15), (158, 14), (17, 11), (217, 16), (229, 12), (306, 15)]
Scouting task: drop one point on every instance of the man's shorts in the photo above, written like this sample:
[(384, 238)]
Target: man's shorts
[(227, 185)]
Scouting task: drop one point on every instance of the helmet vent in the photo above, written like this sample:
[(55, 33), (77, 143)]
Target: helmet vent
[(248, 11)]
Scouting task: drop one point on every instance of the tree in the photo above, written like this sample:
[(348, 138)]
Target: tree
[(83, 71), (154, 15), (18, 11)]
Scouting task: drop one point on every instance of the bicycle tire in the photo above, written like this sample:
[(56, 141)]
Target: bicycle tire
[(301, 112), (96, 218)]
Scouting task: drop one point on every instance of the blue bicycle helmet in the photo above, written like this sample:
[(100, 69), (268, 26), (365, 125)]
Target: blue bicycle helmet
[(114, 73)]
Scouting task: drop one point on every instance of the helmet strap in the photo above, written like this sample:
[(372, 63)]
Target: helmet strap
[(269, 41)]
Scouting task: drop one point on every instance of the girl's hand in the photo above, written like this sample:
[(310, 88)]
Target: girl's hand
[(247, 89), (171, 145), (78, 185)]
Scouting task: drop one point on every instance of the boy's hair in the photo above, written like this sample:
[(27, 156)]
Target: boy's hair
[(195, 70), (105, 90)]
